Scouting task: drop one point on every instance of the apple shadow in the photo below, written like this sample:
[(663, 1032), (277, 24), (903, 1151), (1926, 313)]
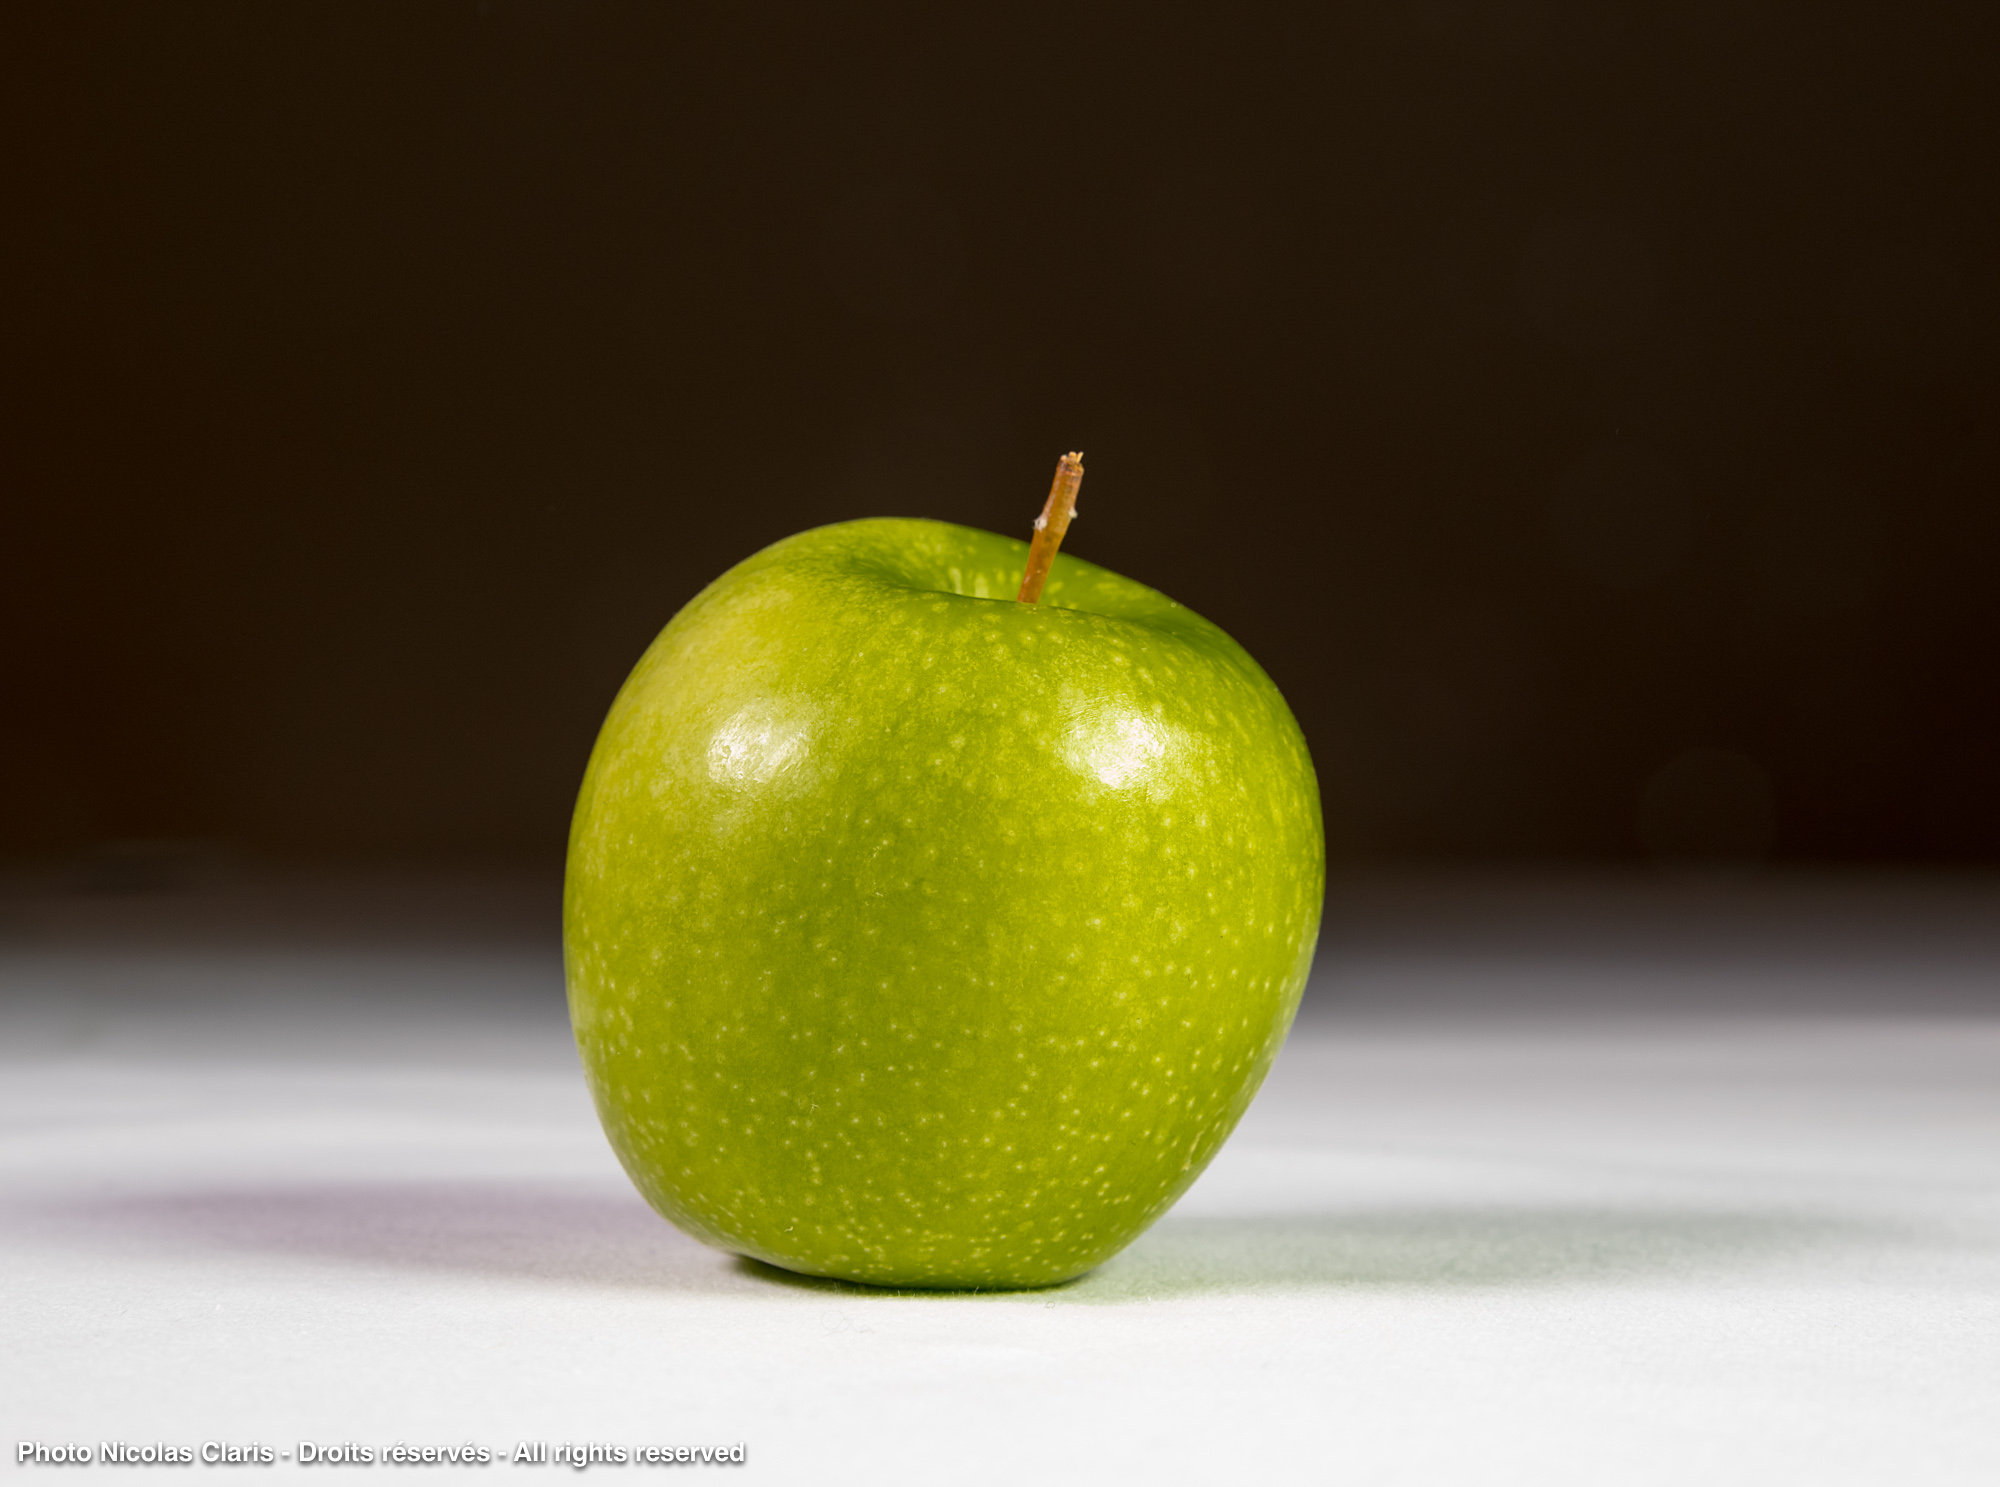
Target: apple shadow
[(592, 1237), (1452, 1248)]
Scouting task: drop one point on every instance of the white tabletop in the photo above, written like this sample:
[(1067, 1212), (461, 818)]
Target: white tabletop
[(1549, 1199)]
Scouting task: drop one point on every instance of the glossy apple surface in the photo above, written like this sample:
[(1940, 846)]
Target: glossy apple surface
[(920, 937)]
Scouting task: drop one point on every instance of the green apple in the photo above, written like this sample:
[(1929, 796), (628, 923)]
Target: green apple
[(926, 938)]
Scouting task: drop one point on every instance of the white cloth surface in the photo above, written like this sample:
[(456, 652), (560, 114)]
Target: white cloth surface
[(283, 1195)]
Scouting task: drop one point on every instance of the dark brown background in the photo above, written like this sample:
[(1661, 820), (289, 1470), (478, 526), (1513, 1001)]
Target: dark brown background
[(1587, 413)]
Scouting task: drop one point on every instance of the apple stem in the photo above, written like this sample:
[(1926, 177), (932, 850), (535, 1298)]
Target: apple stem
[(1050, 526)]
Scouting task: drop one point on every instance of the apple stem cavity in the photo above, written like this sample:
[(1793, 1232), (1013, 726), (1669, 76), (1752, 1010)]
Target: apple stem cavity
[(1050, 526)]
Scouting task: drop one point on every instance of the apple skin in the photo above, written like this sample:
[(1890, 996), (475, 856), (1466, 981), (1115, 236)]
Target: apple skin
[(919, 937)]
